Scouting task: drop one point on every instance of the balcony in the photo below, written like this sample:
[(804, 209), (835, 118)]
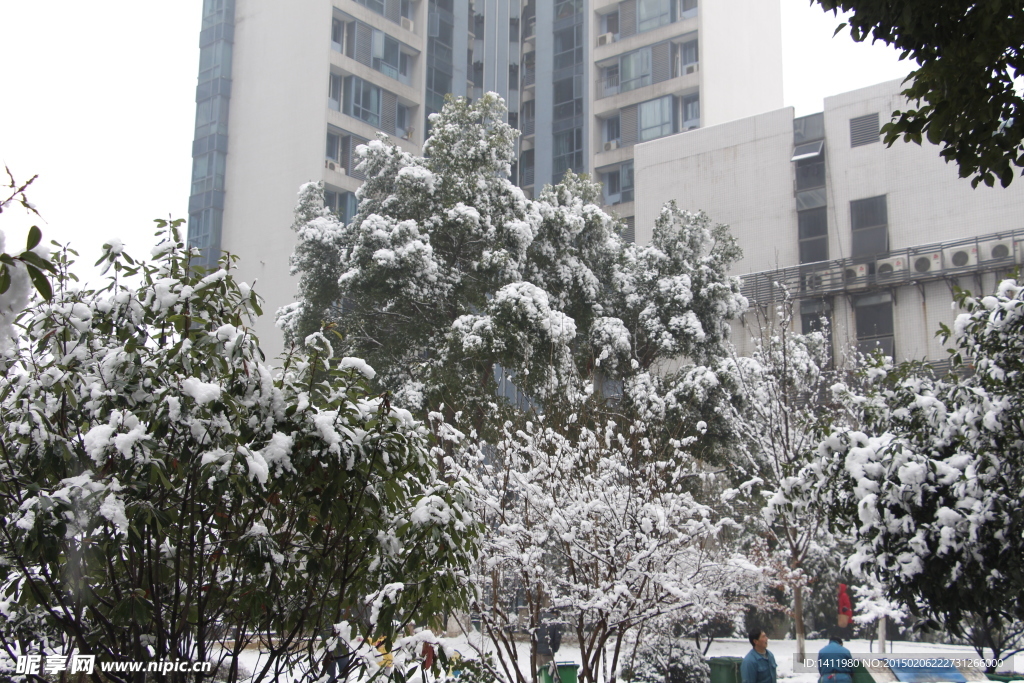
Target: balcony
[(899, 267)]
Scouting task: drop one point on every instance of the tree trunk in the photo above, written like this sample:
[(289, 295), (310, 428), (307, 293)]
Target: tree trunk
[(798, 621), (881, 635)]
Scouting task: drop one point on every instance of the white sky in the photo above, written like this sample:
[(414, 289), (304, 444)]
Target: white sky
[(98, 100)]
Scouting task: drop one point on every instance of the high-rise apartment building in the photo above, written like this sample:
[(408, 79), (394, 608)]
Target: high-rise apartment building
[(287, 91)]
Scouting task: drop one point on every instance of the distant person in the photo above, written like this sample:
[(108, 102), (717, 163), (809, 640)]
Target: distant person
[(759, 665), (845, 614), (835, 663), (549, 638)]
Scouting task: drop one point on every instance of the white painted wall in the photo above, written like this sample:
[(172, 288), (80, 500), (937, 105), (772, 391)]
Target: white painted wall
[(276, 139)]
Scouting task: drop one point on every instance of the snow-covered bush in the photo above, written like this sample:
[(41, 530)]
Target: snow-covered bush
[(931, 481), (165, 495), (659, 657)]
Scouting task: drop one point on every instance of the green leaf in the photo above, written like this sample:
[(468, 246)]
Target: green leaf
[(41, 282), (34, 235), (5, 278)]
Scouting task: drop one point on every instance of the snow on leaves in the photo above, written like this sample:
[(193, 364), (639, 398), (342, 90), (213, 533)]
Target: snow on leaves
[(158, 471)]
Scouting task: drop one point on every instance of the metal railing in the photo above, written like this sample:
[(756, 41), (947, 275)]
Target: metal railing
[(898, 267)]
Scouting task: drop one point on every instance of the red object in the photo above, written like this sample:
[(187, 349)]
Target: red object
[(428, 656), (845, 610)]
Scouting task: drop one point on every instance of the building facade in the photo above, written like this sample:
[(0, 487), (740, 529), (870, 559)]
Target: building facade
[(287, 92), (874, 238)]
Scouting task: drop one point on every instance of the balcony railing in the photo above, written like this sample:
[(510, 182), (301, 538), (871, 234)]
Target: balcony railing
[(923, 263)]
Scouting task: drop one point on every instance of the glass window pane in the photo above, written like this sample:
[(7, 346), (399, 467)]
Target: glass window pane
[(871, 241), (866, 213), (810, 199), (814, 250), (812, 223)]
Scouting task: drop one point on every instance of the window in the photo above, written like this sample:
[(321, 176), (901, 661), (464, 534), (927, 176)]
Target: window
[(869, 221), (812, 230), (342, 204), (375, 5), (337, 34), (815, 315), (526, 166), (334, 92), (362, 100), (688, 8), (333, 147), (618, 185), (864, 130), (513, 29), (513, 77), (208, 172), (688, 53), (215, 61), (656, 118), (652, 13), (568, 152), (386, 54), (635, 70), (626, 181), (611, 129), (808, 128), (874, 323), (568, 98), (610, 23), (691, 112), (403, 122), (569, 47), (810, 173), (567, 8)]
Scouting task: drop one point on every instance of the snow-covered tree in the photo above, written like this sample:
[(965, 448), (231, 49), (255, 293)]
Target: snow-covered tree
[(932, 480), (451, 282), (164, 495), (601, 524), (780, 414)]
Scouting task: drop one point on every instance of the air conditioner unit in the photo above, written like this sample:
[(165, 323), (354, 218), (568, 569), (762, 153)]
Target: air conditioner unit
[(610, 145), (888, 268), (928, 262), (997, 251), (1020, 251), (822, 280), (407, 24), (329, 164), (692, 69), (961, 257), (856, 275), (605, 39)]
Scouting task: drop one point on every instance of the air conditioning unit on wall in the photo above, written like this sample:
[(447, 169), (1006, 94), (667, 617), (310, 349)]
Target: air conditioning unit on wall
[(997, 250), (692, 68), (605, 39), (823, 280), (610, 145), (856, 275), (890, 268), (407, 24), (927, 262), (960, 257)]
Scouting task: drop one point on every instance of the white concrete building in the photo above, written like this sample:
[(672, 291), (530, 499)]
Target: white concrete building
[(288, 90), (875, 237)]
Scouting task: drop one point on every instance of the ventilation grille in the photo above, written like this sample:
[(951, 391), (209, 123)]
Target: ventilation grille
[(864, 130), (629, 231)]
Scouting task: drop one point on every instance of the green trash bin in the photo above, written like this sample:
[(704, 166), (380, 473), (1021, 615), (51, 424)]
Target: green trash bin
[(567, 672), (725, 669)]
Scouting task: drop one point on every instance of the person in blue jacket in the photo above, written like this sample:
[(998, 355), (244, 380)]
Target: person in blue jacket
[(835, 664), (759, 664)]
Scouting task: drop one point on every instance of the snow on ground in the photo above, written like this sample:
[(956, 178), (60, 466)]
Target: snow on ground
[(784, 651)]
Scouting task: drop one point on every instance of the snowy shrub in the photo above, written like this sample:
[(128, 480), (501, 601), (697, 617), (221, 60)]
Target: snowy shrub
[(931, 481), (661, 658), (165, 494)]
